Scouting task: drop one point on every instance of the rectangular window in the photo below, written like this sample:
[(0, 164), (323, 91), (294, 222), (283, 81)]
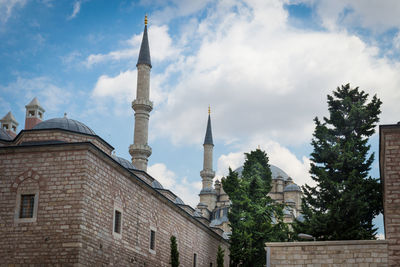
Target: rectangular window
[(194, 260), (26, 206), (117, 222), (210, 264), (152, 239)]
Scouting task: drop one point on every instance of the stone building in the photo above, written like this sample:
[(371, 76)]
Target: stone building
[(214, 202), (389, 165), (67, 200)]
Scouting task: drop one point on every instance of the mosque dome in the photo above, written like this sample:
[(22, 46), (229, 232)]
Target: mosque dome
[(156, 184), (291, 188), (125, 163), (65, 124), (4, 135), (277, 173)]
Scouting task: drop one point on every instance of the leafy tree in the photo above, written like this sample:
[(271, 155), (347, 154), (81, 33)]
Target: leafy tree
[(345, 199), (254, 217), (220, 257), (174, 252)]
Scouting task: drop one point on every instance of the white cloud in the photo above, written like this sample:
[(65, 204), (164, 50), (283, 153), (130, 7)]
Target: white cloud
[(380, 236), (187, 191), (263, 77), (75, 11), (51, 96), (7, 7), (377, 15), (278, 155), (160, 43), (117, 92), (166, 177)]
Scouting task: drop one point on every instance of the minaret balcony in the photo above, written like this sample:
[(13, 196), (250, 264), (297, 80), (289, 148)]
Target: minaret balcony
[(142, 104), (139, 149), (207, 173)]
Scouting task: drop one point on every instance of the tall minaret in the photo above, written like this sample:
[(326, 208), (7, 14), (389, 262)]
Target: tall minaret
[(207, 194), (142, 106)]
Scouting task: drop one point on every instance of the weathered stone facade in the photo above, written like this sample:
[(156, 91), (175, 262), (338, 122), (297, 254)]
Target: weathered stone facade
[(78, 185), (355, 253), (389, 159)]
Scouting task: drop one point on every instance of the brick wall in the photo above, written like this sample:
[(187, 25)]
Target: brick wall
[(389, 158), (79, 186), (329, 253), (57, 175)]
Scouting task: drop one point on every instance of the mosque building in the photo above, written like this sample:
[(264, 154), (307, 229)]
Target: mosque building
[(214, 202), (67, 199)]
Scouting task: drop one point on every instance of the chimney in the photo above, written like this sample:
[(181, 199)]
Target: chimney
[(34, 114), (10, 124)]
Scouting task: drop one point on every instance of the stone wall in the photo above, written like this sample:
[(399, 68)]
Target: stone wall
[(57, 176), (41, 135), (329, 253), (389, 158), (79, 186)]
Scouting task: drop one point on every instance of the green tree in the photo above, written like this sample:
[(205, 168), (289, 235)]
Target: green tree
[(174, 252), (220, 257), (254, 217), (345, 199)]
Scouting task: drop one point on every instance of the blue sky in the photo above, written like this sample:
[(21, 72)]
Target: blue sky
[(265, 67)]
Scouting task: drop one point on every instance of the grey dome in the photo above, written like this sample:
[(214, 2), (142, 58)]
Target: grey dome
[(4, 135), (287, 211), (65, 124), (300, 218), (276, 172), (291, 188), (156, 184), (179, 201), (125, 163)]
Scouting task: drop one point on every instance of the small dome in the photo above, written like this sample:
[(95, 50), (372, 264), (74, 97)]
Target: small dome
[(156, 184), (125, 163), (300, 218), (179, 201), (292, 187), (65, 124), (277, 173), (287, 211), (4, 135)]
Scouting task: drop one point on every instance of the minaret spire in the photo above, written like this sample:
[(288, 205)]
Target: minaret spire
[(207, 193), (140, 150)]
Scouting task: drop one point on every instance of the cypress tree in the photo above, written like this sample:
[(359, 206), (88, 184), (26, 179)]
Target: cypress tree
[(254, 217), (345, 199), (220, 257), (174, 252)]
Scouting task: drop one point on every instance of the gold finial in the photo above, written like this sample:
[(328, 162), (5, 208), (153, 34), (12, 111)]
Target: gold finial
[(145, 20), (209, 110)]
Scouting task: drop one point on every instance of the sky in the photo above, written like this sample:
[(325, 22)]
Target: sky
[(264, 66)]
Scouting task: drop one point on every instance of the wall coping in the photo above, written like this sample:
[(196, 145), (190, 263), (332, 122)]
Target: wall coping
[(327, 243)]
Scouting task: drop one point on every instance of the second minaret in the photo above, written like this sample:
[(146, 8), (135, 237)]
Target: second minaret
[(140, 150), (207, 193)]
